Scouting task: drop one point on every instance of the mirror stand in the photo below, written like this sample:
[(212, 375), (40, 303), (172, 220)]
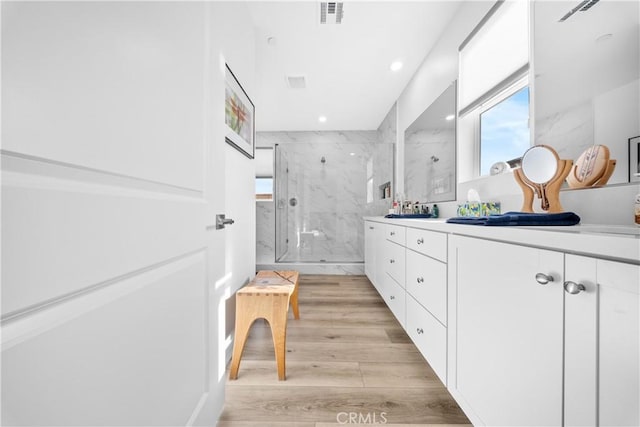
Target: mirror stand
[(548, 192)]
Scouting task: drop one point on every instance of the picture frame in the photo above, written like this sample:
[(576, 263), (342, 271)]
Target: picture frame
[(634, 159), (239, 116)]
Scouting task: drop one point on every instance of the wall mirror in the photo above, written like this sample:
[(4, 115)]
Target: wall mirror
[(586, 70), (430, 152)]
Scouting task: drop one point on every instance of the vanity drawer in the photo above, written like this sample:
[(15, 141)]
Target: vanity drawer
[(426, 281), (428, 335), (395, 233), (394, 261), (395, 297), (430, 243)]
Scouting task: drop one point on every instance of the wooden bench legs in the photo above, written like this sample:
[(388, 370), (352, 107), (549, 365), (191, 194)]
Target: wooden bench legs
[(272, 308)]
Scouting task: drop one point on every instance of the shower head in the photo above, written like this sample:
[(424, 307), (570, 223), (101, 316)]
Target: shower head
[(434, 159), (323, 160)]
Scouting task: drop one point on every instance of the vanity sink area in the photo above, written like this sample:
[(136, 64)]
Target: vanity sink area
[(597, 229), (563, 333)]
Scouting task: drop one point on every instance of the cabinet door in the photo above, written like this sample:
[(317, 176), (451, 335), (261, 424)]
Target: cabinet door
[(602, 343), (394, 261), (370, 237), (508, 332), (426, 281), (395, 297)]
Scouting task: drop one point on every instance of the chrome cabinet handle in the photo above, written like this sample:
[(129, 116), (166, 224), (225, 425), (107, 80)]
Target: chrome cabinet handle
[(420, 331), (420, 279), (573, 288), (393, 233), (392, 261), (543, 279), (420, 241), (392, 297)]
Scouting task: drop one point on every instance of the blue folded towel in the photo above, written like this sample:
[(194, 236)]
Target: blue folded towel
[(520, 219), (408, 216)]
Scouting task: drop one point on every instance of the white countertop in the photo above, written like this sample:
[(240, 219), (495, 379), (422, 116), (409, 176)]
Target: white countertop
[(610, 242)]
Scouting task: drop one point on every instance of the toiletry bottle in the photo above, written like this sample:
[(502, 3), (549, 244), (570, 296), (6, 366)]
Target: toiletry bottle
[(637, 209), (435, 211)]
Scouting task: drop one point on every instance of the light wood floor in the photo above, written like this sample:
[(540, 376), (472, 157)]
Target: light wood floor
[(348, 360)]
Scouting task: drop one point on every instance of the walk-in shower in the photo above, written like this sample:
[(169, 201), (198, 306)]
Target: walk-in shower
[(322, 192)]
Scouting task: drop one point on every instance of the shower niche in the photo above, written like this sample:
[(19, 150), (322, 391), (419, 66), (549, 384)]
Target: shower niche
[(334, 184)]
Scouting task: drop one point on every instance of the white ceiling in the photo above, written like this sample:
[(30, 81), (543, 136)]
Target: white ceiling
[(346, 66)]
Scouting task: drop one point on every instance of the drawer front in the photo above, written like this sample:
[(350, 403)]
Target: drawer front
[(430, 243), (395, 233), (395, 297), (394, 261), (426, 281), (429, 336)]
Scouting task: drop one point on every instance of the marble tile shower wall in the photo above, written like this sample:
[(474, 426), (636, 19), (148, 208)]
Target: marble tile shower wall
[(569, 132), (326, 224), (424, 177)]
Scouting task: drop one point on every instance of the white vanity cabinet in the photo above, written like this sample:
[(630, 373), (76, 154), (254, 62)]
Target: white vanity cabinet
[(372, 231), (505, 338), (602, 343)]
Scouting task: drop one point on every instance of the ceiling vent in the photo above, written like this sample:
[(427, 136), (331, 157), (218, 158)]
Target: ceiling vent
[(296, 82), (582, 7), (331, 12)]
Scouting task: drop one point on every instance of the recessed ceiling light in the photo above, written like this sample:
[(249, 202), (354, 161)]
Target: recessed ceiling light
[(450, 117), (396, 65), (322, 119), (352, 154)]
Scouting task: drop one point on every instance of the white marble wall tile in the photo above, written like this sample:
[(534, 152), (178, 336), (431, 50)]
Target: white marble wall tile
[(426, 179), (265, 232), (569, 132), (326, 224)]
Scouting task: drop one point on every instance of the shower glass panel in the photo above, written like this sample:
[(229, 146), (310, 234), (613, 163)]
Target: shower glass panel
[(322, 193)]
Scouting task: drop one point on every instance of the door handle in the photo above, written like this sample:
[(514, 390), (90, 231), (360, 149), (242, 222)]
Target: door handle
[(221, 221)]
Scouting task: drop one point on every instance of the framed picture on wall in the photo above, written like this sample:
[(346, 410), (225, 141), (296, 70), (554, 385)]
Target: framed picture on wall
[(634, 159), (239, 116)]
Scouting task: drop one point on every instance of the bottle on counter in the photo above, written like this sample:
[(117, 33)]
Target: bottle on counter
[(637, 209), (435, 211)]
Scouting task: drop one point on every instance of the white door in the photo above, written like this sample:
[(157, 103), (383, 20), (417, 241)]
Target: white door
[(114, 280), (602, 343)]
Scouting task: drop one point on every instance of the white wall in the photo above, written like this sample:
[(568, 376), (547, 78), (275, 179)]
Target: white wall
[(610, 205), (436, 73), (112, 166)]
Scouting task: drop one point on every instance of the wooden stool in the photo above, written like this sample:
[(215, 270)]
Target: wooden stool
[(267, 297)]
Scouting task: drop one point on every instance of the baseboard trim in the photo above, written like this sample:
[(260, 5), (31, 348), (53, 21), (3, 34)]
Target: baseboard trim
[(196, 411)]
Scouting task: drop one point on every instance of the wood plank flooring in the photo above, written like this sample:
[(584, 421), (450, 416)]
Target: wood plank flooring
[(349, 362)]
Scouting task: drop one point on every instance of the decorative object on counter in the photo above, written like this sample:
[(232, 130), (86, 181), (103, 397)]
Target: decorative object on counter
[(499, 167), (409, 216), (634, 159), (593, 168), (435, 211), (520, 219), (477, 209), (542, 173)]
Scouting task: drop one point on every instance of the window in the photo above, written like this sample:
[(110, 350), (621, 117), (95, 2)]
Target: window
[(493, 108), (264, 188), (504, 129), (264, 173)]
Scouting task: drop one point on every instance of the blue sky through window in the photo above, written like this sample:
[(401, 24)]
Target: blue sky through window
[(264, 185), (504, 130)]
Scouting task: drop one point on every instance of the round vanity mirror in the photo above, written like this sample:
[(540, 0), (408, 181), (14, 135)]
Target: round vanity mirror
[(539, 164), (542, 173)]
